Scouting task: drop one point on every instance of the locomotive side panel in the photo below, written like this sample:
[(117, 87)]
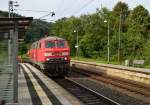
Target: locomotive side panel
[(39, 52)]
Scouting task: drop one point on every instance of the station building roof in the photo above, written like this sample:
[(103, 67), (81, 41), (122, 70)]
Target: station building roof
[(7, 24)]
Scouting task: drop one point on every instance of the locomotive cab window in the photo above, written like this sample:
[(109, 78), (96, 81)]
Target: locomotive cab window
[(50, 44), (39, 45), (61, 44)]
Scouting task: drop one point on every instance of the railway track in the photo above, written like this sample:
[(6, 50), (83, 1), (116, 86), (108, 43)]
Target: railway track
[(85, 94), (138, 88), (91, 93)]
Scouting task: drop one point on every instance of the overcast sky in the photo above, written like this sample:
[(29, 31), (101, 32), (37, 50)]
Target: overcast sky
[(65, 8)]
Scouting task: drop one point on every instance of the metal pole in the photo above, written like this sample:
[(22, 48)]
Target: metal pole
[(9, 51), (15, 62), (12, 9), (77, 46), (108, 59), (10, 34), (119, 40), (10, 48), (9, 8)]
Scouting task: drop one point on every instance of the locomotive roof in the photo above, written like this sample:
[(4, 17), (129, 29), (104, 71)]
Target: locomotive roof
[(53, 38)]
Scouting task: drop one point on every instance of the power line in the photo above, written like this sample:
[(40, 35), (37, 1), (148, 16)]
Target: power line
[(63, 10), (69, 8), (32, 10), (87, 4), (51, 13), (59, 10), (84, 6), (59, 7)]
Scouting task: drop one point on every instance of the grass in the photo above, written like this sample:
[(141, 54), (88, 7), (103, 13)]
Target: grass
[(98, 60), (3, 56), (147, 66), (24, 56)]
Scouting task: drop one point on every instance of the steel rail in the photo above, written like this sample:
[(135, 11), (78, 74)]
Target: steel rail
[(96, 93), (84, 94), (119, 82)]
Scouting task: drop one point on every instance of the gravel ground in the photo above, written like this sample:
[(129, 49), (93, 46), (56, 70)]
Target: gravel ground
[(117, 96)]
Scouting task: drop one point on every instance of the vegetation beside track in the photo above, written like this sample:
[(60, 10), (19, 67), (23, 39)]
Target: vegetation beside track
[(97, 60), (92, 33)]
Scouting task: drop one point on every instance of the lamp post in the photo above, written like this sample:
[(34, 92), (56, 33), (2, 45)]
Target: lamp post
[(119, 41), (77, 44), (108, 40)]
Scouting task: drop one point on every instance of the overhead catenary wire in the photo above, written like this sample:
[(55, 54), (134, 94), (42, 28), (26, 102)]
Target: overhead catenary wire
[(71, 6), (49, 13), (31, 10), (60, 13), (59, 9), (45, 16), (84, 6), (77, 11)]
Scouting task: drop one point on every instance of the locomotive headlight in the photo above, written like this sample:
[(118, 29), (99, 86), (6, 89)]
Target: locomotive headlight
[(65, 53), (48, 54), (47, 59), (65, 58)]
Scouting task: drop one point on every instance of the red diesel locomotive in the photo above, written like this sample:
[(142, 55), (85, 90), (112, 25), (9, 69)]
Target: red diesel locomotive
[(51, 54)]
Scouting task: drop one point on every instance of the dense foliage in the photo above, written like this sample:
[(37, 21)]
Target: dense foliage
[(37, 30), (92, 31)]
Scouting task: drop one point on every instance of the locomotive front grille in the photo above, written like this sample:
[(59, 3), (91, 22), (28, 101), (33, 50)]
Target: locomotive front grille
[(56, 60)]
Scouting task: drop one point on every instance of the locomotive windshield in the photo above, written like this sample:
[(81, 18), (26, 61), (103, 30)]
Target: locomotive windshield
[(60, 44), (54, 44), (50, 44)]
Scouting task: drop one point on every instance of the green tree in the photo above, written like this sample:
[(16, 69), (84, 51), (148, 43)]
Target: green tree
[(92, 31), (137, 35)]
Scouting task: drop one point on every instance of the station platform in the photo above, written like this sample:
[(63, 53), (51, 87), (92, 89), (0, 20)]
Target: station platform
[(35, 88)]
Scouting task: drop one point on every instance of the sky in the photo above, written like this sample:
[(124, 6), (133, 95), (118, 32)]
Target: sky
[(66, 8)]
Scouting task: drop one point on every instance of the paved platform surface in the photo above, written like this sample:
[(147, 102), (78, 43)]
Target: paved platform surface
[(6, 83), (34, 88)]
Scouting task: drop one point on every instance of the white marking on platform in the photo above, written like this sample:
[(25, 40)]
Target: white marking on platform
[(39, 90), (56, 89), (24, 97)]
